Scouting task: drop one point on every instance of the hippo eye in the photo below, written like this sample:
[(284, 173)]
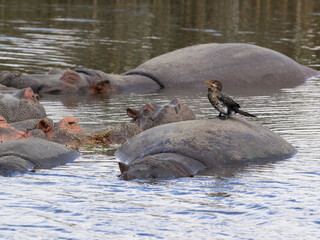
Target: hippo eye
[(146, 111), (71, 123)]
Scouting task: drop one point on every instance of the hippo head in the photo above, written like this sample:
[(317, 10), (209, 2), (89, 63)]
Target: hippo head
[(3, 123), (68, 131), (65, 132), (85, 80), (21, 106), (153, 114), (7, 133), (162, 165)]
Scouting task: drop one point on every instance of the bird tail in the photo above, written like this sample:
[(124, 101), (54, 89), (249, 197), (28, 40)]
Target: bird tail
[(245, 113)]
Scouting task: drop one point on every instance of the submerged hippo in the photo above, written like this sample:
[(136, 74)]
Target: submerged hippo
[(21, 156), (20, 106), (235, 64), (69, 132), (57, 81), (186, 148), (153, 114)]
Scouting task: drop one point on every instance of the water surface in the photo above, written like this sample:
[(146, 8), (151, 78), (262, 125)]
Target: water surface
[(86, 200)]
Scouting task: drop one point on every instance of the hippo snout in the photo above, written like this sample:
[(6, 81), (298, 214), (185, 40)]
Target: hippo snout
[(176, 101)]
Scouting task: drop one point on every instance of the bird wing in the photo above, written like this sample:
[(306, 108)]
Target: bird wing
[(228, 101), (218, 104)]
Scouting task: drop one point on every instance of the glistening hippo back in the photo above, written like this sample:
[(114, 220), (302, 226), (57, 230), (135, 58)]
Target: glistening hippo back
[(20, 156), (235, 64), (185, 148)]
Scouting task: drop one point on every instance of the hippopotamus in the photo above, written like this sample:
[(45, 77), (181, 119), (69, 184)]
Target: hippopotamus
[(236, 65), (153, 114), (69, 132), (56, 81), (19, 156), (21, 105), (7, 133), (183, 149)]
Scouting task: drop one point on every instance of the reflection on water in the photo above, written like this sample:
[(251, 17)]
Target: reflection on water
[(115, 36), (86, 200)]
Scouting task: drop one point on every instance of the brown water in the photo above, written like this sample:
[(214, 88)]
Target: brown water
[(86, 200)]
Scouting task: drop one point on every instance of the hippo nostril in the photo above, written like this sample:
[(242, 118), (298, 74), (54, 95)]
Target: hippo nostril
[(124, 176), (175, 101)]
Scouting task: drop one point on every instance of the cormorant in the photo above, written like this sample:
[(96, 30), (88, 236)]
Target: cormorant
[(222, 102)]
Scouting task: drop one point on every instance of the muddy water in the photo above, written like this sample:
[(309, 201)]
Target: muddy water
[(86, 200)]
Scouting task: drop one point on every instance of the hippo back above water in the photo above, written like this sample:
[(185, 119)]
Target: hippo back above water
[(19, 156), (186, 148), (235, 64)]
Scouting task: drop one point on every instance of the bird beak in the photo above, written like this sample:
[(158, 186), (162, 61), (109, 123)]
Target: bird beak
[(210, 83), (213, 84)]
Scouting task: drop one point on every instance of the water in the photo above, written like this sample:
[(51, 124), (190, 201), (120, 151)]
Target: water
[(86, 200)]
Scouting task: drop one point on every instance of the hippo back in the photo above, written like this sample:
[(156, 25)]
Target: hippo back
[(213, 143), (234, 64), (33, 153)]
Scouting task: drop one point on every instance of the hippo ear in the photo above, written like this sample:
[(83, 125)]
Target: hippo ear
[(123, 167), (132, 113), (37, 96), (44, 125)]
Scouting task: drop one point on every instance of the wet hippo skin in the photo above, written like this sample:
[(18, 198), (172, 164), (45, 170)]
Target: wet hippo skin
[(234, 64), (186, 148)]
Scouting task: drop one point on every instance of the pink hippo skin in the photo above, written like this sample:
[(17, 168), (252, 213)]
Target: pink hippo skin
[(7, 133)]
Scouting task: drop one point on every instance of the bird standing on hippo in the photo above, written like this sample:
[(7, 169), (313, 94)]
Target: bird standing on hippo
[(239, 65), (222, 102)]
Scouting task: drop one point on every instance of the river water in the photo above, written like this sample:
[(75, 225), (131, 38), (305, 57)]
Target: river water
[(86, 200)]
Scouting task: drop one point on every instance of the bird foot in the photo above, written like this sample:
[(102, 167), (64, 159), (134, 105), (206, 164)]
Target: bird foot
[(223, 117)]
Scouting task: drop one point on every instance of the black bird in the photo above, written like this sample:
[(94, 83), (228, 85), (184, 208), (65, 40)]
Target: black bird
[(222, 102)]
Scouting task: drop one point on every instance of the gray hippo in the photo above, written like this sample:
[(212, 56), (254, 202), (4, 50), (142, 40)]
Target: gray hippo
[(153, 114), (69, 132), (56, 81), (20, 106), (19, 156), (186, 148), (235, 64)]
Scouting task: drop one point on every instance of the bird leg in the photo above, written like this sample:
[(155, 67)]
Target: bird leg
[(222, 117)]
